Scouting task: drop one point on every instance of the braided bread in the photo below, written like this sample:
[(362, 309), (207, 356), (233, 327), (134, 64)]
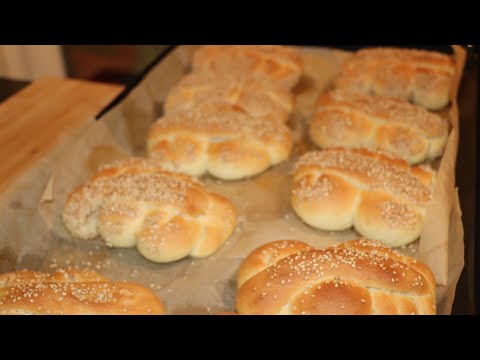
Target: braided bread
[(166, 216), (361, 277), (219, 139), (73, 292), (384, 199), (424, 77), (254, 98), (349, 119), (274, 64)]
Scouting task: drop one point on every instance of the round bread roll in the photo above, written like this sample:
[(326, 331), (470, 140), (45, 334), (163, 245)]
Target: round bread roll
[(167, 216), (219, 139), (73, 292), (354, 120), (361, 277), (383, 198), (423, 77), (274, 64), (255, 98)]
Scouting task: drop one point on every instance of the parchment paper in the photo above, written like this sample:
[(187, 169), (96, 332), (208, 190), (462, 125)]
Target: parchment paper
[(208, 285)]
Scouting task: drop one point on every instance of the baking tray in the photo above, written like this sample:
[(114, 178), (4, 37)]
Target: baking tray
[(467, 295)]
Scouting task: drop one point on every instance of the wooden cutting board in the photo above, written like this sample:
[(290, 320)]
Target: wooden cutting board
[(32, 121)]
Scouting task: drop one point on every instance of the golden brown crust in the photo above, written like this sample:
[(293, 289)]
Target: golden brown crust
[(361, 277), (255, 98), (424, 77), (267, 255), (354, 120), (73, 292), (219, 139), (383, 198), (167, 216), (274, 64), (62, 276)]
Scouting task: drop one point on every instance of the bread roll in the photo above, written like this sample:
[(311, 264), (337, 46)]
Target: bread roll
[(167, 216), (354, 120), (73, 292), (383, 198), (423, 77), (255, 98), (219, 139), (361, 277), (273, 64)]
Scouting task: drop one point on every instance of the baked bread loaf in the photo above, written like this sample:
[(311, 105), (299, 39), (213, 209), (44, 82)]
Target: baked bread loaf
[(255, 98), (355, 120), (361, 277), (383, 198), (167, 216), (423, 77), (73, 292), (274, 64), (219, 139)]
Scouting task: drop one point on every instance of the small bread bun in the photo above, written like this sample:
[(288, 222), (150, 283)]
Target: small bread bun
[(167, 216), (423, 77), (383, 198), (273, 64), (361, 277), (219, 139), (255, 98), (354, 120), (73, 292)]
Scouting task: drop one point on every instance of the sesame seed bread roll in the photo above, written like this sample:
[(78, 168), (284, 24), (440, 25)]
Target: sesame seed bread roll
[(361, 277), (167, 216), (354, 120), (219, 139), (384, 199), (423, 77), (255, 98), (73, 292), (273, 64)]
